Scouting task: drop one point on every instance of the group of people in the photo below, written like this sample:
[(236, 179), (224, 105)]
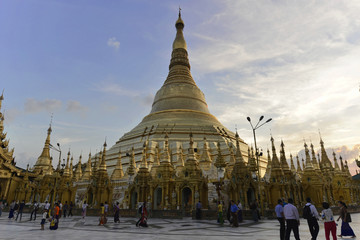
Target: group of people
[(234, 213), (287, 212)]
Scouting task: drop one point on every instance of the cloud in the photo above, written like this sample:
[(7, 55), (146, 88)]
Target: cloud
[(67, 141), (294, 62), (11, 114), (32, 105), (75, 106), (112, 42), (109, 87)]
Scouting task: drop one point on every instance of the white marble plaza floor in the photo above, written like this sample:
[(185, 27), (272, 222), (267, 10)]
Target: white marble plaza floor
[(77, 228)]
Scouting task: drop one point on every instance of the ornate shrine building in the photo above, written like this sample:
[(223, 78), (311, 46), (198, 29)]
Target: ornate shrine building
[(177, 155)]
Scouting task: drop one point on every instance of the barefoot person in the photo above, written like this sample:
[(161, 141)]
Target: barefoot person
[(346, 230)]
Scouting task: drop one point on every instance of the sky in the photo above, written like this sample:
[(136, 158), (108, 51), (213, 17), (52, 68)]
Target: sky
[(95, 66)]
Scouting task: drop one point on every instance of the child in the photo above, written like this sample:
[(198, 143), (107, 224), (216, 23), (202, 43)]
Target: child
[(329, 222), (43, 220)]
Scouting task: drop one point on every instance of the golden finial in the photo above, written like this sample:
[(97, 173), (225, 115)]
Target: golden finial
[(179, 11)]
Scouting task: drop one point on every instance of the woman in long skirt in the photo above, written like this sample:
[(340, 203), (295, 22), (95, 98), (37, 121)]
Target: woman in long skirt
[(116, 213), (346, 230)]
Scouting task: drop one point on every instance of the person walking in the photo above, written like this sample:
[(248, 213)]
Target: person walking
[(1, 207), (329, 223), (106, 209), (71, 205), (234, 209), (291, 215), (142, 222), (254, 211), (43, 219), (346, 230), (198, 210), (279, 210), (12, 209), (34, 211), (65, 208), (102, 219), (240, 217), (16, 209), (47, 208), (220, 214), (61, 209), (84, 207), (311, 215), (116, 213), (21, 209)]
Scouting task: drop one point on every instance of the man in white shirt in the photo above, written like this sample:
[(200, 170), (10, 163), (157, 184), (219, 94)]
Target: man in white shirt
[(291, 215), (47, 207), (312, 220)]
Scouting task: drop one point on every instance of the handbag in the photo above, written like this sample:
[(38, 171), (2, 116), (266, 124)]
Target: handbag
[(347, 217)]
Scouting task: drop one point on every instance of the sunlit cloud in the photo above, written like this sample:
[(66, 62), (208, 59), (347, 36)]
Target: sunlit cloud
[(296, 64), (33, 106), (75, 106), (112, 42)]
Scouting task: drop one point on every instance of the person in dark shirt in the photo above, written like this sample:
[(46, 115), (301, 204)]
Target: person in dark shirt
[(20, 212), (71, 205)]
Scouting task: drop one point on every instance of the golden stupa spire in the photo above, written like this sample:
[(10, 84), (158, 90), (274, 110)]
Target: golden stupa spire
[(166, 155), (179, 41), (342, 164), (118, 172), (303, 163), (292, 168), (143, 158), (267, 174), (102, 166), (88, 170), (283, 162), (43, 162), (1, 98), (251, 160), (191, 151), (298, 165), (325, 161), (67, 170), (219, 162), (78, 171), (275, 161), (132, 168), (337, 168), (71, 170), (238, 155), (313, 158), (308, 163)]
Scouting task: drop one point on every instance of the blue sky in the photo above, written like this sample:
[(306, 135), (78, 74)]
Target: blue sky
[(96, 65)]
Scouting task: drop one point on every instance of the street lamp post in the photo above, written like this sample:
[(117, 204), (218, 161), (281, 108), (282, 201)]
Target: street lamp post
[(57, 170), (257, 155)]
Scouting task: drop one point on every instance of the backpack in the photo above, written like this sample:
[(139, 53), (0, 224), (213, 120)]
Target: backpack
[(307, 212), (140, 210)]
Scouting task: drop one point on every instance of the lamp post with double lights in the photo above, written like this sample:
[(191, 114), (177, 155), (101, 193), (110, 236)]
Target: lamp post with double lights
[(257, 126), (57, 171), (220, 165)]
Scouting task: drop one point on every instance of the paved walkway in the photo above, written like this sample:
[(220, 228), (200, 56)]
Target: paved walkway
[(77, 228)]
